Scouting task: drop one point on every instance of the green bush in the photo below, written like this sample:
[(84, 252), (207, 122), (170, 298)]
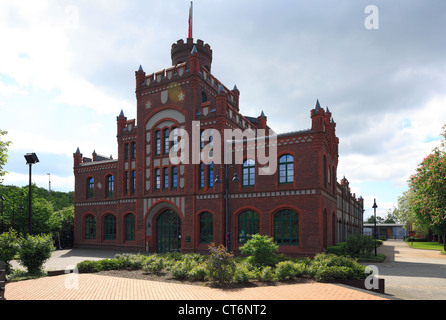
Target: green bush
[(266, 274), (131, 261), (345, 268), (34, 251), (242, 273), (198, 273), (180, 270), (9, 247), (88, 266), (153, 264), (262, 251), (108, 264), (220, 264), (359, 246)]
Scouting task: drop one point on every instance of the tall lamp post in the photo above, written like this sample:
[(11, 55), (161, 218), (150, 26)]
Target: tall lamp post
[(374, 209), (31, 158), (218, 180)]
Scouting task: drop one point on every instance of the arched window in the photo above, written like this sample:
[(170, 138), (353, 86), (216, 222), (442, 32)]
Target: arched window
[(90, 188), (109, 186), (248, 177), (110, 227), (206, 227), (129, 222), (90, 227), (248, 225), (286, 227), (286, 169)]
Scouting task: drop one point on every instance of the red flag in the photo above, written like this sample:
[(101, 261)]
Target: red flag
[(190, 21)]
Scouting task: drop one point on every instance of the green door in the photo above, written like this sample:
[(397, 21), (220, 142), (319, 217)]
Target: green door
[(168, 232)]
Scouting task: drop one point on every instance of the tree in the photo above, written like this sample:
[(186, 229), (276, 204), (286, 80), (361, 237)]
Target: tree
[(429, 186), (3, 154)]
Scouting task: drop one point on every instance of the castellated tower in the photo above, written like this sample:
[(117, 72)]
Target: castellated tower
[(181, 52)]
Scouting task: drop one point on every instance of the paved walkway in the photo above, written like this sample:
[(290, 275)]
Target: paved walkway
[(412, 274), (98, 287)]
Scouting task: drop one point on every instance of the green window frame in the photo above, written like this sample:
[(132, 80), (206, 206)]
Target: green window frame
[(126, 182), (166, 178), (126, 151), (110, 227), (110, 186), (286, 227), (157, 179), (206, 223), (248, 225), (174, 178), (286, 169), (249, 173), (211, 175), (133, 150), (133, 182), (90, 188), (90, 227), (129, 222), (157, 143), (166, 144), (201, 176)]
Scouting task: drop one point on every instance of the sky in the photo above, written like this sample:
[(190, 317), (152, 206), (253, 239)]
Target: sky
[(67, 69)]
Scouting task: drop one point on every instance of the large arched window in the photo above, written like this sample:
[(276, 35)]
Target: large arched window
[(286, 227), (129, 222), (110, 227), (286, 169), (248, 177), (90, 227), (206, 227), (248, 225)]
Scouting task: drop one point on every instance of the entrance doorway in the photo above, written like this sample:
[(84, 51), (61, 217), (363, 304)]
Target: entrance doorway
[(168, 232)]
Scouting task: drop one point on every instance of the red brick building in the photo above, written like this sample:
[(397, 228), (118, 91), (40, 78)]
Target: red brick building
[(145, 201)]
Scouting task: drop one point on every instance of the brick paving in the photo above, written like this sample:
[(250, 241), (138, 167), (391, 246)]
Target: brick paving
[(99, 287)]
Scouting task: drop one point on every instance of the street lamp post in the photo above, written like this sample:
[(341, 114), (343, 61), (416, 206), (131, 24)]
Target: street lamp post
[(374, 209), (31, 158), (227, 219)]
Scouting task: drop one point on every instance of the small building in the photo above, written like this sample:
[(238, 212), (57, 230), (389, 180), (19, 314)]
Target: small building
[(386, 230)]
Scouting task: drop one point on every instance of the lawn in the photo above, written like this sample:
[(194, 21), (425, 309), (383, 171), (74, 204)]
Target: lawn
[(427, 245)]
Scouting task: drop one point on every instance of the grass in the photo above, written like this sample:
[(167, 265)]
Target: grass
[(427, 246)]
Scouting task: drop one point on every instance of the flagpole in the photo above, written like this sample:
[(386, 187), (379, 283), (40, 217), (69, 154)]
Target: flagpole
[(191, 19)]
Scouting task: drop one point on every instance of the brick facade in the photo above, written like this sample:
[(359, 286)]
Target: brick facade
[(145, 201)]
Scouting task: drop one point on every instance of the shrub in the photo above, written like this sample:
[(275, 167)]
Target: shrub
[(266, 274), (88, 266), (198, 273), (153, 264), (262, 251), (359, 246), (34, 251), (343, 268), (180, 270), (9, 247), (220, 264), (242, 273), (131, 261), (289, 270), (108, 264)]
